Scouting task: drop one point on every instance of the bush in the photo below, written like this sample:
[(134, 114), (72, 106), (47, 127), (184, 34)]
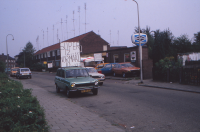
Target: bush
[(167, 70), (37, 67), (19, 111)]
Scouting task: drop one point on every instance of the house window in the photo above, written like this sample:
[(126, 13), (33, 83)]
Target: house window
[(104, 47), (48, 54), (38, 56), (80, 48), (116, 58), (41, 55), (58, 52), (127, 57), (45, 55), (53, 53)]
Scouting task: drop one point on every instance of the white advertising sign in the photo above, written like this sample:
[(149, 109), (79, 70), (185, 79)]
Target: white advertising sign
[(50, 65), (98, 57), (70, 54)]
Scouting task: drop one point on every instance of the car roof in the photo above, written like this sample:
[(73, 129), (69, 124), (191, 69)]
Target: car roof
[(70, 68)]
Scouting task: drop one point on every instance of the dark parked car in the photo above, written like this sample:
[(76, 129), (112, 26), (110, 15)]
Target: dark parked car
[(125, 69), (75, 79)]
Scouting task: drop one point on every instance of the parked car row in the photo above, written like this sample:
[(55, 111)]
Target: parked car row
[(124, 69), (21, 72)]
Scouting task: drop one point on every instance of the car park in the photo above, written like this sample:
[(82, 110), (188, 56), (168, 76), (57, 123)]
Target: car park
[(94, 74), (107, 69), (75, 80), (23, 73), (13, 71), (125, 69)]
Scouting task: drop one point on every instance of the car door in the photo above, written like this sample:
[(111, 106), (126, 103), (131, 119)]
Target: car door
[(116, 68), (106, 69)]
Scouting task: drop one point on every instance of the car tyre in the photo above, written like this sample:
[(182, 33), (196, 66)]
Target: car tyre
[(124, 75), (57, 89), (95, 91)]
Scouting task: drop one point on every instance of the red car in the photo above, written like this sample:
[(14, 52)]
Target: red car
[(125, 69)]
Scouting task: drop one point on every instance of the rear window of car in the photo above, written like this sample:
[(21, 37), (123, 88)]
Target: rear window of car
[(24, 70)]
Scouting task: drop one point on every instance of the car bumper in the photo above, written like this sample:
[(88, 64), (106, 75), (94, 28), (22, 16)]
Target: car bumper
[(84, 89), (24, 76)]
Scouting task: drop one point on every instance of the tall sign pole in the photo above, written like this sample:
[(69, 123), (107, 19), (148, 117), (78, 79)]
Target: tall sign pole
[(140, 47)]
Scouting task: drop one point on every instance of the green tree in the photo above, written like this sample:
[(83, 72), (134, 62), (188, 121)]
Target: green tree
[(26, 55), (196, 43), (182, 44)]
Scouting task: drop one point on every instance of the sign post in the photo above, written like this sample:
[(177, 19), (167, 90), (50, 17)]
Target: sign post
[(140, 39)]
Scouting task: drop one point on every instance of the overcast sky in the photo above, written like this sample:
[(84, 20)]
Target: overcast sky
[(113, 20)]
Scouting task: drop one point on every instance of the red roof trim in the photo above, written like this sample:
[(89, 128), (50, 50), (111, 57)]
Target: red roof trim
[(57, 46)]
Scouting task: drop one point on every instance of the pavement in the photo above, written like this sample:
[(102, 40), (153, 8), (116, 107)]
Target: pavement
[(157, 84), (63, 115)]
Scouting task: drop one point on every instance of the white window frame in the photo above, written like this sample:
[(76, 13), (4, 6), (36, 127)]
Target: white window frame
[(114, 57), (53, 53), (58, 52), (48, 54)]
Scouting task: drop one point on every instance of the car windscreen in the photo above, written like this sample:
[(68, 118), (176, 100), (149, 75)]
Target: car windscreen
[(92, 70), (126, 65), (76, 73), (14, 69), (24, 70)]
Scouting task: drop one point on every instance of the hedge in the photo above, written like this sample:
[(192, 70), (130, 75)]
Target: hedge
[(19, 110)]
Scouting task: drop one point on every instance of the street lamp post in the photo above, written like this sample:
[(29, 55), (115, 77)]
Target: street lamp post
[(140, 47), (7, 48)]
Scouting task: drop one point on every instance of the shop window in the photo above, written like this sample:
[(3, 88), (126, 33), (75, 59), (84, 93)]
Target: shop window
[(116, 58), (127, 57)]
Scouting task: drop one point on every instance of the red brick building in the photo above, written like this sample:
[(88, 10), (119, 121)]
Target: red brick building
[(91, 43)]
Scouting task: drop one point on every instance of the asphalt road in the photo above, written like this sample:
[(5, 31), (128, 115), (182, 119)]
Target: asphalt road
[(136, 108)]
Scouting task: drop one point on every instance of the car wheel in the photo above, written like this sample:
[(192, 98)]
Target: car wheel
[(114, 74), (30, 77), (124, 75), (95, 91), (57, 89), (68, 93)]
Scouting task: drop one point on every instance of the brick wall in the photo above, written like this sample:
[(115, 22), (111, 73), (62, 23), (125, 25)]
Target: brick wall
[(93, 43)]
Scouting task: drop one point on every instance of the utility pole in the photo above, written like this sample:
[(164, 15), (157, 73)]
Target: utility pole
[(73, 23), (79, 18), (66, 27), (53, 34), (47, 37), (85, 17), (61, 29)]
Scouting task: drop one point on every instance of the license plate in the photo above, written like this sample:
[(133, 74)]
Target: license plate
[(84, 91), (24, 73)]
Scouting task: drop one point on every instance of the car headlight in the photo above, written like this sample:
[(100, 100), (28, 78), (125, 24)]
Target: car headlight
[(73, 85), (96, 83), (102, 76)]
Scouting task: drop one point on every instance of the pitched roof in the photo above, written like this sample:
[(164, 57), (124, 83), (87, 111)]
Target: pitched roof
[(4, 57), (57, 46)]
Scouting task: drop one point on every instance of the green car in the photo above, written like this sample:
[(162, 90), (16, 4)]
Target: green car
[(75, 79)]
